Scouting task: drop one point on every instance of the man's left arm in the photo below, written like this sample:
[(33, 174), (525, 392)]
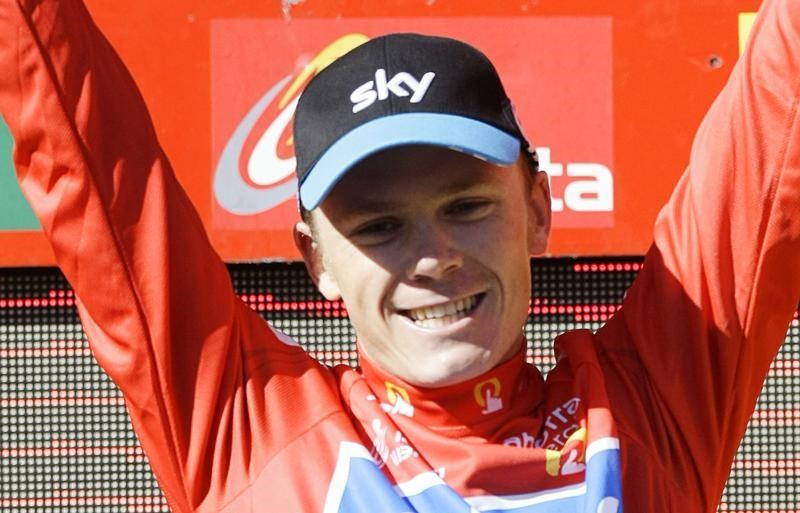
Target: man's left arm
[(686, 356)]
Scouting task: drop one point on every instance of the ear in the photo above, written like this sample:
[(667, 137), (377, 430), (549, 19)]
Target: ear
[(540, 213), (315, 264)]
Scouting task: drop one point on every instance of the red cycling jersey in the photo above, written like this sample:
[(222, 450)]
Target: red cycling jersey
[(235, 417)]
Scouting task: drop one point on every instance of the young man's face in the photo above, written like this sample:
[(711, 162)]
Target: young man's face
[(429, 249)]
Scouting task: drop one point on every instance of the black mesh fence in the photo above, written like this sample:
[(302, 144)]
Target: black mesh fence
[(66, 443)]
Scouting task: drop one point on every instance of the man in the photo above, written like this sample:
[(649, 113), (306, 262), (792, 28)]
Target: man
[(420, 211)]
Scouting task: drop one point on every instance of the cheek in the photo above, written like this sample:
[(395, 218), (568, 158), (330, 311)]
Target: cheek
[(509, 253), (505, 240), (363, 282)]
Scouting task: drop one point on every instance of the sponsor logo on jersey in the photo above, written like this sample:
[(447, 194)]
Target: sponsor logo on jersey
[(399, 400), (569, 460), (359, 486), (487, 395), (396, 393), (558, 429)]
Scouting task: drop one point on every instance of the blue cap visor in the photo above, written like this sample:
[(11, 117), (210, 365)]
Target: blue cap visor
[(427, 128)]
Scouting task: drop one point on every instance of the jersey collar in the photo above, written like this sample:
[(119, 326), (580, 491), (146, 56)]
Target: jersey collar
[(476, 405)]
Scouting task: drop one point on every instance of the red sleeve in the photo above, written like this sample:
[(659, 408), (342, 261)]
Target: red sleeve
[(687, 354), (196, 366)]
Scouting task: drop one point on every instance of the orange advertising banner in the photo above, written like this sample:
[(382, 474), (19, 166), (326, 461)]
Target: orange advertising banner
[(609, 94)]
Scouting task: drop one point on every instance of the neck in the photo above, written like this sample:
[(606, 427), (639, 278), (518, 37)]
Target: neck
[(474, 405)]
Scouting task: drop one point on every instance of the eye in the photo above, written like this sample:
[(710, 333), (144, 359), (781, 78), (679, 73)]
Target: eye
[(375, 232), (470, 209)]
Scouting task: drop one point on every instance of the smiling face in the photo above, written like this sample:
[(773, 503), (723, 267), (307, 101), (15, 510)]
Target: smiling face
[(429, 249)]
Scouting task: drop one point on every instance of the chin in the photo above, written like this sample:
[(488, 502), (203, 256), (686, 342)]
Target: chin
[(453, 366)]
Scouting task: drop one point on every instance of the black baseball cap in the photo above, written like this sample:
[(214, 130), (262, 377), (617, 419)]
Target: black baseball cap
[(395, 90)]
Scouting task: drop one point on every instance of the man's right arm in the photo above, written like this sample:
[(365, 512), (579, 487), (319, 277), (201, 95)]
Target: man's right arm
[(195, 365)]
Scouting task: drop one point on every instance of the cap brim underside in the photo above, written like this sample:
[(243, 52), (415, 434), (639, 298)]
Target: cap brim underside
[(455, 132)]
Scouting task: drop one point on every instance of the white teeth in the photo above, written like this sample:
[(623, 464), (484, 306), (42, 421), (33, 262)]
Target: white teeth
[(441, 315)]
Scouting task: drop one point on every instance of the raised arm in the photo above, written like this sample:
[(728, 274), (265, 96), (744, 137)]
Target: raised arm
[(194, 363), (688, 353)]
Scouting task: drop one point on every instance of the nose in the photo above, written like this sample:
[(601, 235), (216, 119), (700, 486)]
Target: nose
[(433, 253)]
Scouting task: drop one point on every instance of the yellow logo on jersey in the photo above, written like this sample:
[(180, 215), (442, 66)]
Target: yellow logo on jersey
[(574, 462), (487, 395), (394, 392)]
